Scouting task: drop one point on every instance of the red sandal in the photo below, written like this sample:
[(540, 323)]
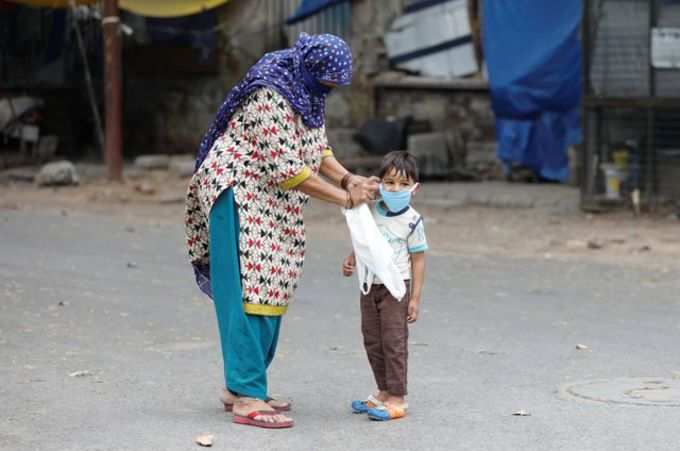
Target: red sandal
[(251, 420)]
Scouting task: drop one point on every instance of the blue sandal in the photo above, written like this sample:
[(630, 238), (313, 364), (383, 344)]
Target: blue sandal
[(363, 406)]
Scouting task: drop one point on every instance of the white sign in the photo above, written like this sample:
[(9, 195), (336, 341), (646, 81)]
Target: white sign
[(666, 48)]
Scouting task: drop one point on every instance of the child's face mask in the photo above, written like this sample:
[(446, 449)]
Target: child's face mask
[(396, 201)]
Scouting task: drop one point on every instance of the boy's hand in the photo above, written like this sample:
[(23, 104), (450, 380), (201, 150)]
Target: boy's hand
[(413, 306), (348, 265)]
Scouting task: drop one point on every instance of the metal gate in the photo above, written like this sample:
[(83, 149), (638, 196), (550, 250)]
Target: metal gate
[(631, 121)]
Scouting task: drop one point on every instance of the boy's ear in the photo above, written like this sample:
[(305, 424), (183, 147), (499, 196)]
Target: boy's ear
[(415, 188)]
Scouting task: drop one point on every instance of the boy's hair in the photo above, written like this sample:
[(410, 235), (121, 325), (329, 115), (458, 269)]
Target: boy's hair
[(402, 161)]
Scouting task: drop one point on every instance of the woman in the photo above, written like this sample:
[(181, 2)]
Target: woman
[(255, 169)]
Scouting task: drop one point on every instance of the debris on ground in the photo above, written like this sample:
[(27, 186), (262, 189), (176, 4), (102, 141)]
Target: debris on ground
[(521, 413), (206, 440), (581, 347), (594, 244), (145, 188), (81, 373), (418, 343), (59, 173)]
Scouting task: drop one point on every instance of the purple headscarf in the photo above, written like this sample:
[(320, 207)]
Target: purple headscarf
[(295, 73)]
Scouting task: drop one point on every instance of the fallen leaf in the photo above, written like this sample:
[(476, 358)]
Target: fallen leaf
[(521, 413), (205, 440), (81, 373), (581, 347), (132, 265)]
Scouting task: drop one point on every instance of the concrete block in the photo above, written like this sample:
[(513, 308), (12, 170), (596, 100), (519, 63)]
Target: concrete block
[(58, 173)]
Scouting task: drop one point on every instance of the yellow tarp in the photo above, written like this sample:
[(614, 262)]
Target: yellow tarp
[(151, 8), (168, 8)]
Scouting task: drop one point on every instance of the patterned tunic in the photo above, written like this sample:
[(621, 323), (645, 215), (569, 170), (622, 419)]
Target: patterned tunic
[(265, 151)]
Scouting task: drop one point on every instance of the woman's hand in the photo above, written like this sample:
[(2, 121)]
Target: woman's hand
[(348, 265), (362, 189), (359, 180)]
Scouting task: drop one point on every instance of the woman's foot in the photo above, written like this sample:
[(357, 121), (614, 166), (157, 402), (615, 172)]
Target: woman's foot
[(256, 412), (229, 399)]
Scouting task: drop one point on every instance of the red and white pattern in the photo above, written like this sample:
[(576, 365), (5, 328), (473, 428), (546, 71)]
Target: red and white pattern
[(264, 145)]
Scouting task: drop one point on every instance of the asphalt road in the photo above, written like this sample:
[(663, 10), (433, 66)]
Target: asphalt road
[(114, 298)]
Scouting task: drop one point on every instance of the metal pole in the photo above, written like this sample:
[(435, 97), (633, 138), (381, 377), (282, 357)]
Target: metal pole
[(651, 182), (88, 79), (586, 157), (112, 78)]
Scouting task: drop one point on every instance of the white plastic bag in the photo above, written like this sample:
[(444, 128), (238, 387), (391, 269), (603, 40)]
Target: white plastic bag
[(374, 255)]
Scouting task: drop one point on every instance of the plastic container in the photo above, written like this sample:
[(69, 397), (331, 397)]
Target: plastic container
[(612, 180)]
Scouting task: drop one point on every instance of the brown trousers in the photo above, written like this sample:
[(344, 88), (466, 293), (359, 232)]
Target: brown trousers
[(385, 330)]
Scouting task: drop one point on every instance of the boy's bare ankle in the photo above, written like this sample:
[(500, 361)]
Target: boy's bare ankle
[(382, 396)]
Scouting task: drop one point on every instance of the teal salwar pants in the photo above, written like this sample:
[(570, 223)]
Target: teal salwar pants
[(248, 341)]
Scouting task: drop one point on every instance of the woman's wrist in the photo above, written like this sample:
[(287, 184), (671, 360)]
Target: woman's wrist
[(345, 180)]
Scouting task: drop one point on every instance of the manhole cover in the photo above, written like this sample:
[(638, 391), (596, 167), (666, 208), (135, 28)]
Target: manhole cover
[(642, 391)]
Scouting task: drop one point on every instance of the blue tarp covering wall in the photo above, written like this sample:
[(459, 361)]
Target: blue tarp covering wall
[(533, 55), (309, 8)]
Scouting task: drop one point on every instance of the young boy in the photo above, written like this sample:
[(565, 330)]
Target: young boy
[(384, 319)]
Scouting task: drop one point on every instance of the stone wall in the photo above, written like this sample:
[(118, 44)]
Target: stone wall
[(459, 108)]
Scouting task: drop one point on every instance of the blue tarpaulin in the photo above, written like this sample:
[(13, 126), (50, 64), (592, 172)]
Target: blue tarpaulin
[(309, 8), (533, 56)]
